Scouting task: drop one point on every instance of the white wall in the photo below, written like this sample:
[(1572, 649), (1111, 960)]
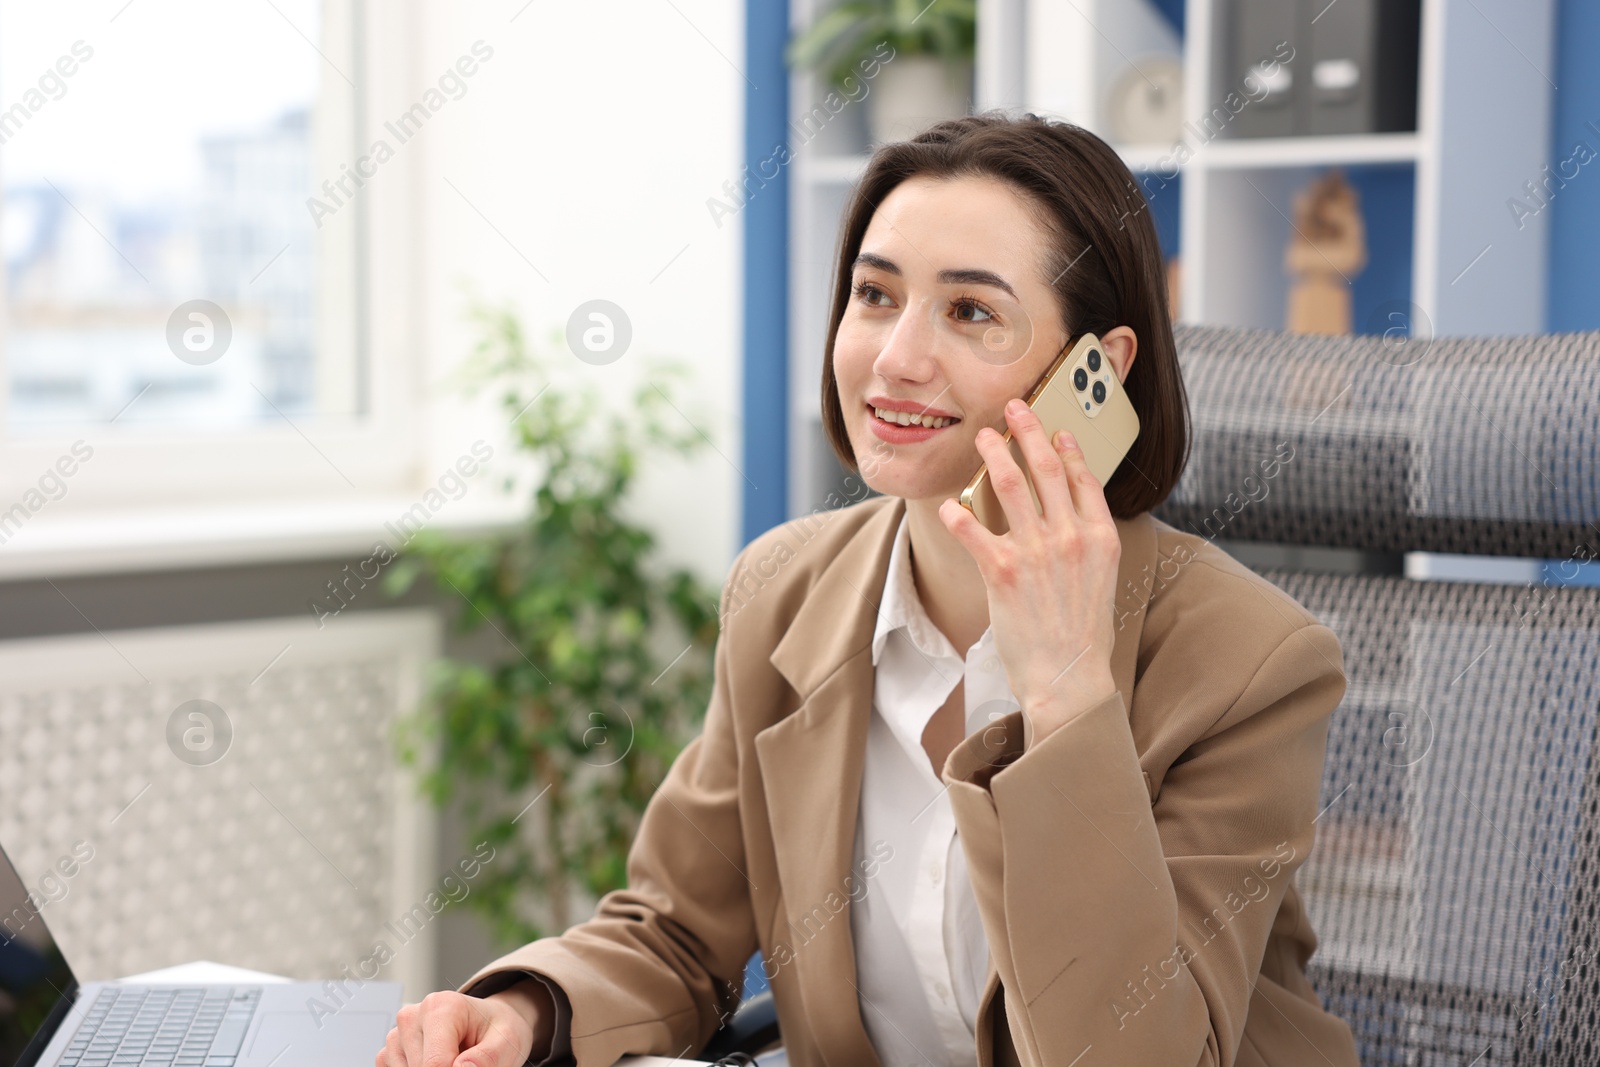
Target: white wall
[(591, 140)]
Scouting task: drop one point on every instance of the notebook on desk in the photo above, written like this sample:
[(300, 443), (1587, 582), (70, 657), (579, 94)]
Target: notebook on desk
[(47, 1019)]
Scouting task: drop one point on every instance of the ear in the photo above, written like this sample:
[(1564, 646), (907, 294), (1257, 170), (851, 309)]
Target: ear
[(1121, 345)]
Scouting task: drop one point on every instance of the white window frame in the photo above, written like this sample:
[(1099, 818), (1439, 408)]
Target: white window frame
[(311, 458)]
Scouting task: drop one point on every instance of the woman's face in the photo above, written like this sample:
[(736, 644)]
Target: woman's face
[(951, 316)]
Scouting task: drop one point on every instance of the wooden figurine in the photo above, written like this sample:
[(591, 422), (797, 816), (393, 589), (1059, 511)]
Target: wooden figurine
[(1326, 249)]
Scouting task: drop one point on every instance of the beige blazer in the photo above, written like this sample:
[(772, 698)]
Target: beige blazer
[(1134, 870)]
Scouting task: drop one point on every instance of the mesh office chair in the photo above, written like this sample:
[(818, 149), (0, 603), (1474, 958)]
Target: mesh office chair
[(1456, 875), (1455, 881)]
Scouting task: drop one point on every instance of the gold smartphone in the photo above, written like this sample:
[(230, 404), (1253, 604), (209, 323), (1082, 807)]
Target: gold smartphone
[(1081, 394)]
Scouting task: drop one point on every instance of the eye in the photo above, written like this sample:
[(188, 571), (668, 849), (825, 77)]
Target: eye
[(864, 290), (964, 304)]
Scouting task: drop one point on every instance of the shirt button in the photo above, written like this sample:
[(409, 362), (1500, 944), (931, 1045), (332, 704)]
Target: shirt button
[(933, 874), (943, 991), (991, 664)]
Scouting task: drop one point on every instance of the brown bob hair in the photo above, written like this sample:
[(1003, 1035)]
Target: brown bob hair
[(1105, 259)]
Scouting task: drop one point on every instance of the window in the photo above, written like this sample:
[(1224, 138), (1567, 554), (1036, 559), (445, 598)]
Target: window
[(191, 268), (162, 265)]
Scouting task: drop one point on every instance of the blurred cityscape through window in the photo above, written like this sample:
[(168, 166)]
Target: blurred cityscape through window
[(157, 154)]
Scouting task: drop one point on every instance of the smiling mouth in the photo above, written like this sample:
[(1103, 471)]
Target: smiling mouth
[(911, 418)]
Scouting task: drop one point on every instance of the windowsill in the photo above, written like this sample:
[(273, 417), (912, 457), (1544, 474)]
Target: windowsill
[(215, 536)]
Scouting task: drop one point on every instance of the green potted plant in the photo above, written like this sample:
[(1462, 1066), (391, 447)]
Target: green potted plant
[(553, 750), (927, 75)]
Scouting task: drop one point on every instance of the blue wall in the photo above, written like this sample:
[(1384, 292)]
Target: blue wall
[(1173, 10), (764, 399), (1387, 194), (1573, 294)]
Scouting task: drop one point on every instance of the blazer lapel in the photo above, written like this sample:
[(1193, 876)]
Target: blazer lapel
[(811, 764)]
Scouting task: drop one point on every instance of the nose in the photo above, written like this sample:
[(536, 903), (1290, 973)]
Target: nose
[(908, 352)]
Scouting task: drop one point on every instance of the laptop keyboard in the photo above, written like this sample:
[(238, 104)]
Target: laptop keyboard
[(163, 1026)]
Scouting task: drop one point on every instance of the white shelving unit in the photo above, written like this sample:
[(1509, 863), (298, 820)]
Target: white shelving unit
[(1483, 131), (1483, 122), (1306, 151)]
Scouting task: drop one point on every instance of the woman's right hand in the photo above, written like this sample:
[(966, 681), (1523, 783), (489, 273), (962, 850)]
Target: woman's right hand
[(450, 1029)]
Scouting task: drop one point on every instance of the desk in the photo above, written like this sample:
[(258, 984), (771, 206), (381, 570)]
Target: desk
[(206, 971)]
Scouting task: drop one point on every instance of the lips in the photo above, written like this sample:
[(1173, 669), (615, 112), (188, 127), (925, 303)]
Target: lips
[(913, 418), (907, 427)]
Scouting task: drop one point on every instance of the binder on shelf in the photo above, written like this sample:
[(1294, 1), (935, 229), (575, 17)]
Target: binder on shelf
[(1353, 68), (1258, 30), (1364, 67)]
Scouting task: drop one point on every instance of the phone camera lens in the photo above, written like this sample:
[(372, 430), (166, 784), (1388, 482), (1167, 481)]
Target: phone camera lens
[(1099, 392), (1080, 379), (1094, 360)]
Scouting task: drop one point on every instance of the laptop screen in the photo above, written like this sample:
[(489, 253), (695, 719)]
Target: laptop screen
[(36, 985)]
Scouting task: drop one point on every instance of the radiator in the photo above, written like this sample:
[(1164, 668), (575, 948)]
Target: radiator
[(278, 833)]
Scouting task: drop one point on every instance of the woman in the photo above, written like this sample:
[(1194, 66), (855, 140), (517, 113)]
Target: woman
[(1070, 843)]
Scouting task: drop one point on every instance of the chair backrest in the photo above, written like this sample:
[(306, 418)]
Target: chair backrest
[(1455, 882)]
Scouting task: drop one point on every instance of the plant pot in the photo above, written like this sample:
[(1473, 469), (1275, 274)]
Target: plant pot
[(911, 93)]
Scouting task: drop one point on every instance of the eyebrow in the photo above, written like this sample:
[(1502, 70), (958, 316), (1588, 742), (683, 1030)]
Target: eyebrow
[(964, 276)]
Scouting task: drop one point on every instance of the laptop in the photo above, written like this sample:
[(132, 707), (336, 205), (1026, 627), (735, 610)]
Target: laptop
[(47, 1019)]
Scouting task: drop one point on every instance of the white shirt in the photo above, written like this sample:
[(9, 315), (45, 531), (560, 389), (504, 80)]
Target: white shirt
[(921, 954)]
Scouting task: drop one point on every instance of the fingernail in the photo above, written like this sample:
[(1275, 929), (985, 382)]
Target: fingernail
[(1065, 440), (1015, 406)]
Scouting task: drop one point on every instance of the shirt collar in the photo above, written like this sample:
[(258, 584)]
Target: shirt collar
[(901, 607)]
